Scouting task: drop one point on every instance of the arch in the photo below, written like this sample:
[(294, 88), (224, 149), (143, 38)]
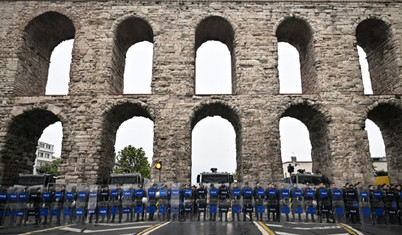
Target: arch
[(226, 112), (388, 117), (375, 38), (112, 119), (299, 34), (216, 28), (24, 131), (128, 32), (40, 36), (317, 125)]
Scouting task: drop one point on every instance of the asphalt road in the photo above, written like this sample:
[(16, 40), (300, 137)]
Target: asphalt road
[(207, 228)]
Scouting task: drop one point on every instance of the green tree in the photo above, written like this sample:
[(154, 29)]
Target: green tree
[(50, 168), (132, 160), (235, 175)]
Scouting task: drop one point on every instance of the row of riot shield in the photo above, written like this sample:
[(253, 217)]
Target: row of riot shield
[(59, 204)]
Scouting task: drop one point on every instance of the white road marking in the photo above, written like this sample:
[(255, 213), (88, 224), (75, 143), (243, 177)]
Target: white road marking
[(160, 226), (103, 230)]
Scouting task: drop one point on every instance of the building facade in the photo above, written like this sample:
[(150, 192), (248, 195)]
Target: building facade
[(44, 155)]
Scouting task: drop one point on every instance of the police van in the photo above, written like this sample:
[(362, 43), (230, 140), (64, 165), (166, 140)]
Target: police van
[(31, 180), (301, 179), (215, 177), (132, 178)]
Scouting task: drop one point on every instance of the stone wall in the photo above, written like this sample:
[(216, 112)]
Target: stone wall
[(332, 104)]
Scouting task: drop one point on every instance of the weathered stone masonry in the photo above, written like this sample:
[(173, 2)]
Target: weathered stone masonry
[(332, 104)]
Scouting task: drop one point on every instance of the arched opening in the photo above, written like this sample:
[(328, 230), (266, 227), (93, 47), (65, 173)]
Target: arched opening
[(213, 71), (298, 33), (49, 146), (129, 32), (215, 28), (364, 68), (376, 146), (316, 124), (213, 146), (295, 145), (116, 117), (59, 69), (138, 69), (389, 120), (374, 37), (41, 35), (289, 69), (18, 155), (216, 134)]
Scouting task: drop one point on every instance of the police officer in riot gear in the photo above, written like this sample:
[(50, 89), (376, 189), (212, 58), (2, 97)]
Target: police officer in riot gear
[(272, 195), (213, 199), (247, 201), (115, 200), (324, 203), (309, 197), (139, 193), (152, 201), (201, 195), (34, 198), (351, 206), (259, 196), (236, 197), (103, 201), (224, 195), (297, 200)]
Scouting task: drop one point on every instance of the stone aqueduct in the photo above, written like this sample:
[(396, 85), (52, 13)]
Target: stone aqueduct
[(332, 104)]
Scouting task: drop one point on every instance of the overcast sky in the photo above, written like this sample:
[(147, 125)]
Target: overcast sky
[(213, 138)]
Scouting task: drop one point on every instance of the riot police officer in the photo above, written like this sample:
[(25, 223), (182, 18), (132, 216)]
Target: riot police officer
[(224, 196), (259, 196), (116, 202), (213, 201), (296, 196), (152, 201), (309, 198), (324, 203), (390, 204), (247, 201), (273, 202), (103, 204), (201, 195), (34, 198), (236, 200), (398, 191), (187, 196), (139, 194), (351, 206)]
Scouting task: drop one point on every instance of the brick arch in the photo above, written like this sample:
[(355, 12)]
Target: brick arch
[(39, 37), (317, 125), (388, 117), (226, 112), (112, 119), (126, 33), (374, 36), (298, 33), (22, 138)]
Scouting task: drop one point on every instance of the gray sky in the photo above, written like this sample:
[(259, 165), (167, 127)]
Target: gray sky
[(213, 138)]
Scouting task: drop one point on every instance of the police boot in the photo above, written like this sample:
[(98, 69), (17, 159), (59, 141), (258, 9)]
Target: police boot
[(312, 218), (199, 214), (220, 216), (269, 219), (251, 216), (226, 217)]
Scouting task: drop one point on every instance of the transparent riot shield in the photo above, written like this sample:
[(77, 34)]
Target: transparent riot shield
[(297, 203), (81, 204), (284, 203), (152, 200), (57, 205), (69, 204), (92, 202), (11, 207), (22, 202), (236, 199), (378, 207), (103, 204), (213, 202), (259, 197), (248, 202), (140, 200), (324, 204), (175, 201), (338, 207), (34, 205), (201, 200), (187, 202), (399, 195), (163, 202), (115, 202), (365, 206), (310, 204), (3, 202), (351, 205), (273, 196), (127, 202), (391, 206)]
